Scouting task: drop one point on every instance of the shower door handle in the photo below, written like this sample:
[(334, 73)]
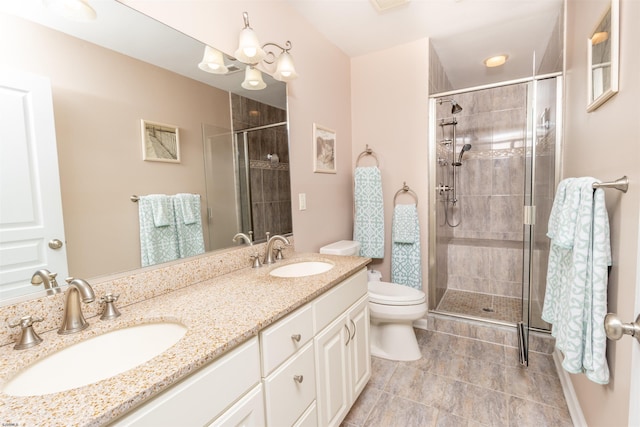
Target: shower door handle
[(615, 329)]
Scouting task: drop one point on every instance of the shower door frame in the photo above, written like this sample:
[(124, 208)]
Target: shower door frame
[(433, 198)]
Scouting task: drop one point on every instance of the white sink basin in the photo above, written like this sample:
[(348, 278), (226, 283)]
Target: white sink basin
[(301, 269), (95, 359)]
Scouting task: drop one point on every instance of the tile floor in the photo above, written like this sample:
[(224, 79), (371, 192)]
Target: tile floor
[(461, 382)]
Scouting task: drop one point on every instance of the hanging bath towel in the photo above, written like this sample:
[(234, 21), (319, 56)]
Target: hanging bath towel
[(368, 227), (575, 300), (188, 224), (406, 265), (158, 239)]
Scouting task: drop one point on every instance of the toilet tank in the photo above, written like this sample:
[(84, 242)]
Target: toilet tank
[(343, 247)]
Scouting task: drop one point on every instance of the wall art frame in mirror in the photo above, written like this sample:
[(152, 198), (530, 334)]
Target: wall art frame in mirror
[(324, 150), (602, 58), (160, 142)]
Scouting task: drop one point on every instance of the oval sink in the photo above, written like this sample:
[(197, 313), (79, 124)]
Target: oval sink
[(301, 269), (95, 359)]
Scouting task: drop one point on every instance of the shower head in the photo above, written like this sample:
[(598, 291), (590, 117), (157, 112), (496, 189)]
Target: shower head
[(465, 147), (455, 107)]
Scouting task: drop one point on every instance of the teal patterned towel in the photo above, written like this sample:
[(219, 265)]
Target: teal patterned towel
[(157, 243), (575, 301), (406, 265), (188, 224), (368, 227)]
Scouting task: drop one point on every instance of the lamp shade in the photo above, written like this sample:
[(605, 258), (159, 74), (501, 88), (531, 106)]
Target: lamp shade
[(249, 50), (285, 70), (75, 10), (253, 79), (213, 61)]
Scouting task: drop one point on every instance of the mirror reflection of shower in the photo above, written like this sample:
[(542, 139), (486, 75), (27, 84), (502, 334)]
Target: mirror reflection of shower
[(447, 191)]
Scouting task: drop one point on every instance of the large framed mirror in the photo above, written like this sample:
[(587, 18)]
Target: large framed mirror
[(106, 76), (603, 57)]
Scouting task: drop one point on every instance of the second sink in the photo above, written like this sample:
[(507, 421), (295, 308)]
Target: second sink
[(302, 269), (95, 359)]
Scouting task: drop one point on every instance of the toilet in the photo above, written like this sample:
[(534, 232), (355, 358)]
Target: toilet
[(393, 309)]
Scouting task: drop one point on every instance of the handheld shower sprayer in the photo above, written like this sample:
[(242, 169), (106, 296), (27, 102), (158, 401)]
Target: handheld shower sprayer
[(465, 147)]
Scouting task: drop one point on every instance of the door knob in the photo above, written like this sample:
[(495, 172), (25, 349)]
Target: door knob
[(615, 329), (55, 244)]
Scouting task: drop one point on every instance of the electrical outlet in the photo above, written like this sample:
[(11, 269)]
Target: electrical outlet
[(302, 201)]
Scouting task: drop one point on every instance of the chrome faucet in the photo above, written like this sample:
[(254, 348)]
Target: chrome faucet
[(268, 253), (244, 237), (73, 321), (49, 280)]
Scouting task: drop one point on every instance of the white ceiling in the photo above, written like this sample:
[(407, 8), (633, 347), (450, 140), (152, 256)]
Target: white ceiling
[(463, 32)]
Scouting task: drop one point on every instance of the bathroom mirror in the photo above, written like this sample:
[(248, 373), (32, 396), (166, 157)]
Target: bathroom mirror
[(602, 52), (100, 160)]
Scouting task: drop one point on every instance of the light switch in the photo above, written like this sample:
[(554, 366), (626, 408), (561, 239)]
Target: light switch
[(302, 201)]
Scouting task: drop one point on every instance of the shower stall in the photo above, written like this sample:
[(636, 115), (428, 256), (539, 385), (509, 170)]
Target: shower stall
[(494, 168)]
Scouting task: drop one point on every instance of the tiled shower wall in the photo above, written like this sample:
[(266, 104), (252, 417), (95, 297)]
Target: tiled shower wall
[(483, 253), (269, 181)]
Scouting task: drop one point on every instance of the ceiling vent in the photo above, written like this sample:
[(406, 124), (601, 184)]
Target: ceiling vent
[(383, 5)]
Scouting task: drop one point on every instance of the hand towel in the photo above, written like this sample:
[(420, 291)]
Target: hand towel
[(406, 265), (158, 243), (575, 300), (188, 224), (368, 227)]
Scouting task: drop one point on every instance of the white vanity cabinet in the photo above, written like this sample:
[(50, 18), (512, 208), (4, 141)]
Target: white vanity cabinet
[(305, 370), (343, 363)]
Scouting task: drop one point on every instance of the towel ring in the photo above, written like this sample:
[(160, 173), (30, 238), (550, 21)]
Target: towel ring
[(368, 152), (405, 189)]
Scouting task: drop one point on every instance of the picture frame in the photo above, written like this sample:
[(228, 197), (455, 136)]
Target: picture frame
[(602, 58), (324, 150), (160, 142)]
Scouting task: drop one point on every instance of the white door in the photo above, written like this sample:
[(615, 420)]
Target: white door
[(30, 202), (634, 393)]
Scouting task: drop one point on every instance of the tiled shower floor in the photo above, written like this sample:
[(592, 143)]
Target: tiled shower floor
[(461, 382), (481, 305)]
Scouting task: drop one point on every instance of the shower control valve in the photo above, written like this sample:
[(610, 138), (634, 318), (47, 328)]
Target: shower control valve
[(441, 188)]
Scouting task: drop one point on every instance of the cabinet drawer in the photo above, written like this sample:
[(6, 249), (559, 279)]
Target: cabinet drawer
[(309, 418), (248, 411), (286, 399), (281, 340), (334, 302), (222, 382)]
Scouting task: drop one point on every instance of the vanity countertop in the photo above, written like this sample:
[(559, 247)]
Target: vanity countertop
[(220, 313)]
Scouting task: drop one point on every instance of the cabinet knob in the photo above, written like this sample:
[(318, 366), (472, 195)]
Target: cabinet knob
[(296, 337), (298, 378)]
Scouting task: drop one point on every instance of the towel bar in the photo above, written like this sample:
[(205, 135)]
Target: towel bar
[(368, 152), (621, 184), (405, 189)]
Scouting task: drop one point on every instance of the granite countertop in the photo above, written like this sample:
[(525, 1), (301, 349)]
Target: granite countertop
[(220, 313)]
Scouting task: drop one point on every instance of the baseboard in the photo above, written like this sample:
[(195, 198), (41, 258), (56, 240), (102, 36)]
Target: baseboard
[(421, 324), (569, 392)]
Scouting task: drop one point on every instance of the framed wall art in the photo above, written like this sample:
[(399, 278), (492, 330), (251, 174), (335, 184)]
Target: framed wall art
[(324, 149), (160, 142)]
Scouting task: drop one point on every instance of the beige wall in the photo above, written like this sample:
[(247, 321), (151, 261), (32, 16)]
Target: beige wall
[(606, 144), (390, 113), (99, 98), (320, 95)]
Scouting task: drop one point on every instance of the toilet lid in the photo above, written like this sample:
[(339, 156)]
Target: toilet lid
[(394, 294)]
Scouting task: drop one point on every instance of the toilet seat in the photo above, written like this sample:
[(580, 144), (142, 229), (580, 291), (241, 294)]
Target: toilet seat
[(393, 294)]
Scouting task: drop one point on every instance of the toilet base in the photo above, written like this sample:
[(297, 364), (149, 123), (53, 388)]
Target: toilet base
[(394, 341)]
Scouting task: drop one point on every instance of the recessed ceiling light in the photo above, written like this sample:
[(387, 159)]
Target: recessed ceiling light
[(495, 61), (382, 5)]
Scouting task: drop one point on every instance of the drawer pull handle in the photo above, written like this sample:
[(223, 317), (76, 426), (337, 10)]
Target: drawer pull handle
[(355, 329), (348, 334), (298, 378), (296, 337)]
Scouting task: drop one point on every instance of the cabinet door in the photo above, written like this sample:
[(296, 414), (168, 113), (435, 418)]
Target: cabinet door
[(359, 350), (332, 373), (247, 412)]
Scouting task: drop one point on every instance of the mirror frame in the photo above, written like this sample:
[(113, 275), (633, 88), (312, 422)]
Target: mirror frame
[(594, 102)]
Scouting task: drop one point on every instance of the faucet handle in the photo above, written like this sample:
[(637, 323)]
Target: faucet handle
[(256, 261), (279, 253), (110, 311), (29, 338)]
